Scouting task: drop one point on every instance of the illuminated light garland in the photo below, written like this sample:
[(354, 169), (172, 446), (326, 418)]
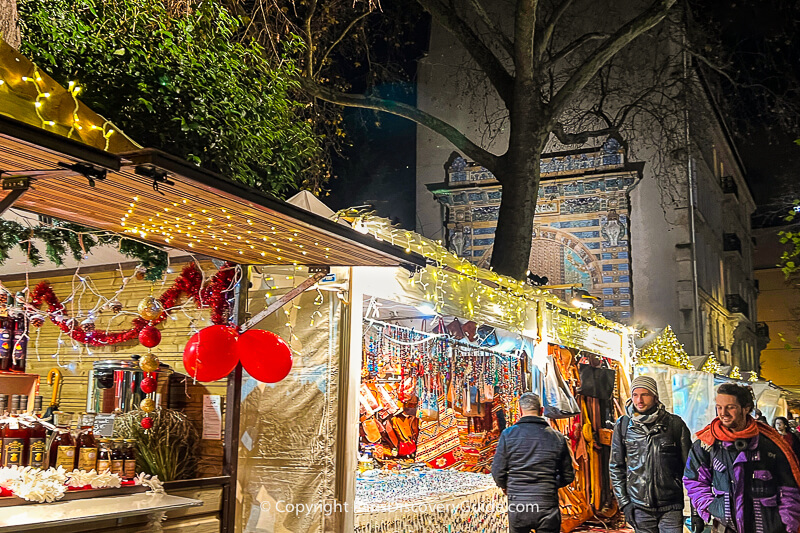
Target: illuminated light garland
[(472, 289), (665, 349), (711, 365)]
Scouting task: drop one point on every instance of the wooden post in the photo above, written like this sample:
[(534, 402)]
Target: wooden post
[(233, 397)]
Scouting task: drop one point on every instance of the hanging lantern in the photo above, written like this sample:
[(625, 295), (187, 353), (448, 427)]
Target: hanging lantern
[(150, 336), (147, 422), (149, 362), (150, 308)]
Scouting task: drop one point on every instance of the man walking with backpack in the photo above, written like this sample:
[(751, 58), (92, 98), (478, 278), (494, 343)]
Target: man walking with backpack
[(648, 454)]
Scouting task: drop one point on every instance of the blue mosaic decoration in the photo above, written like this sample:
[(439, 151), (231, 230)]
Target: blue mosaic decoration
[(582, 224)]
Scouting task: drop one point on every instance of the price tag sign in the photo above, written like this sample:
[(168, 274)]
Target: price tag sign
[(212, 417), (104, 425)]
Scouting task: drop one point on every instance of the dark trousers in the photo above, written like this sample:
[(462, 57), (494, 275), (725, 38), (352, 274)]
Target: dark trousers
[(524, 517), (655, 522)]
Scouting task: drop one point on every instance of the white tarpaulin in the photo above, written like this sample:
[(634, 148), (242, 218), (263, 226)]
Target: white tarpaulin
[(687, 393)]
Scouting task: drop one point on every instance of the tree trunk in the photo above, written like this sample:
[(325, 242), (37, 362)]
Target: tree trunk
[(512, 240), (9, 23)]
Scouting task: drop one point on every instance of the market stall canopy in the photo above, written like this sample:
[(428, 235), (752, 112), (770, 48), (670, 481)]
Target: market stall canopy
[(53, 163)]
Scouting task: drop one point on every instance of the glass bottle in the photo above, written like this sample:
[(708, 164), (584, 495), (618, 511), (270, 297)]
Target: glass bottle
[(85, 444), (6, 336), (15, 437), (117, 459), (20, 354), (37, 448), (104, 456), (62, 445), (129, 456)]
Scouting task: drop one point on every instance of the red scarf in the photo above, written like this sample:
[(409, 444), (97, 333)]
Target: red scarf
[(716, 431)]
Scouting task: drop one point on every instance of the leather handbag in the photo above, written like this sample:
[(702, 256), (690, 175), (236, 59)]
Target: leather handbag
[(597, 382)]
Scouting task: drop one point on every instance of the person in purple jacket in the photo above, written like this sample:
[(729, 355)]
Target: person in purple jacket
[(741, 476)]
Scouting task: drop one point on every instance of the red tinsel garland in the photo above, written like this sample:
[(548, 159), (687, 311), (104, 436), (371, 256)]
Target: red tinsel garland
[(188, 282)]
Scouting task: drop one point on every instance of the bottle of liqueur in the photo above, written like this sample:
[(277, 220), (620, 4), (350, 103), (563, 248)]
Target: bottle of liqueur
[(86, 446), (129, 458), (6, 336), (37, 447), (104, 456), (20, 354), (62, 446), (15, 437), (117, 458)]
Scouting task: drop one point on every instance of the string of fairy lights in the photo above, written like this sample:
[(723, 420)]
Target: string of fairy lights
[(216, 228), (43, 96), (472, 289)]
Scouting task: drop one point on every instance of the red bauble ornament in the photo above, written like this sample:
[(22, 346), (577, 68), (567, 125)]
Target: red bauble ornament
[(150, 336), (211, 353), (147, 422), (264, 355), (148, 385)]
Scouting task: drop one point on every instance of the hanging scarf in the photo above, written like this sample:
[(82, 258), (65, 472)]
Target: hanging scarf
[(641, 418), (716, 431)]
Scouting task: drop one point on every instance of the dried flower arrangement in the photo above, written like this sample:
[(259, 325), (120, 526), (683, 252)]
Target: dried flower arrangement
[(169, 449)]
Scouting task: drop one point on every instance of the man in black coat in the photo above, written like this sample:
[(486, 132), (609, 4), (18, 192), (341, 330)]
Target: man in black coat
[(531, 463), (648, 454)]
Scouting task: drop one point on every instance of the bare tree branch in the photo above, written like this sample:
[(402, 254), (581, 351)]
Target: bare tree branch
[(524, 27), (309, 67), (544, 36), (574, 45), (494, 29), (621, 38), (580, 137), (339, 39), (470, 149), (498, 75)]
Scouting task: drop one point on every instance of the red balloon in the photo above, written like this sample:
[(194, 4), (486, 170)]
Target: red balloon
[(211, 353), (264, 355), (149, 337)]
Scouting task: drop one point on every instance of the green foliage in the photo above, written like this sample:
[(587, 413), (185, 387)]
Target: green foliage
[(62, 238), (790, 259), (178, 76)]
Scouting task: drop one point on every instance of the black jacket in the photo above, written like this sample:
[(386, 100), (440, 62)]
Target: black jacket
[(647, 465), (532, 462)]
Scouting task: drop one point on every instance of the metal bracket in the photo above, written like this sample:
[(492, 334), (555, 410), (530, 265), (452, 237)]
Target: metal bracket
[(283, 300), (15, 187)]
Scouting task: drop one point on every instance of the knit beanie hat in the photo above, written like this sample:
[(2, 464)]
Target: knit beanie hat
[(645, 382)]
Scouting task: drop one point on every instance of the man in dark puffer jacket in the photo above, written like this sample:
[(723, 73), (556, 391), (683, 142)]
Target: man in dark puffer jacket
[(648, 453), (531, 463)]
